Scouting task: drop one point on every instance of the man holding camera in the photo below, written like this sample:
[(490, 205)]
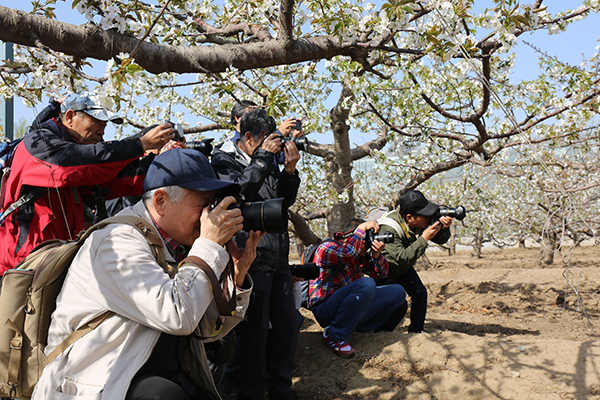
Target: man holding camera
[(55, 166), (268, 335), (343, 299), (413, 224), (287, 127), (145, 346)]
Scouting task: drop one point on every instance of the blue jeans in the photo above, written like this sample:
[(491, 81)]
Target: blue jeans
[(361, 305)]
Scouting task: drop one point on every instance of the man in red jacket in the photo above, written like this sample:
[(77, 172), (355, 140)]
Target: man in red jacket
[(54, 168)]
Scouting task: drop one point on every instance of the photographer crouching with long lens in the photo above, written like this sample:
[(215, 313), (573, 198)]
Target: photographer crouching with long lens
[(413, 224)]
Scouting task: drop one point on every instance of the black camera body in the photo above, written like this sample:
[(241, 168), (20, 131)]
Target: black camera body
[(371, 236), (269, 216), (300, 142), (306, 271), (297, 125)]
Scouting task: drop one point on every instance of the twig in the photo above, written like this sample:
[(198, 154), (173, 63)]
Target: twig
[(137, 46), (447, 367)]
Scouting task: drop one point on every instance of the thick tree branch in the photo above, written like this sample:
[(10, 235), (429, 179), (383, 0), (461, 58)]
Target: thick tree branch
[(90, 41), (301, 229), (286, 12), (424, 175)]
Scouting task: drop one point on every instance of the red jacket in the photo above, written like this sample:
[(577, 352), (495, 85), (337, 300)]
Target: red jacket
[(51, 159)]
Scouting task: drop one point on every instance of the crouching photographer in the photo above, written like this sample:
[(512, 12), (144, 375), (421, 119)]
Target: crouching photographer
[(342, 299), (413, 224)]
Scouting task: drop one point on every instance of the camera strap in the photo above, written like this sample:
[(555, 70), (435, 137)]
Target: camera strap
[(225, 307)]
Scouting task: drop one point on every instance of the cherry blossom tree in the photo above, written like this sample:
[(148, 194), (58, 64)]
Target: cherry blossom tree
[(426, 84)]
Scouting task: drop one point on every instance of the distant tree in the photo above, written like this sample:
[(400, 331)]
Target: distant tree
[(21, 127)]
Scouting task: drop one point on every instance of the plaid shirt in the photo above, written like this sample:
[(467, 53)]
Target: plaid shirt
[(178, 251), (333, 253)]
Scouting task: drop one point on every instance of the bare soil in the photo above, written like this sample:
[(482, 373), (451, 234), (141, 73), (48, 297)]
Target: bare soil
[(498, 327)]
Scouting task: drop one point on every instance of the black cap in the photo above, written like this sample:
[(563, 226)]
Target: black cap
[(414, 202)]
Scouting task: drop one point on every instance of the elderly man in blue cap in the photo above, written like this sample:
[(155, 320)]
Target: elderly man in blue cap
[(55, 167), (143, 351)]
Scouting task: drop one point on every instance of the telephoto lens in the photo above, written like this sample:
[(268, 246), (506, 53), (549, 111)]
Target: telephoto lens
[(455, 212), (269, 216)]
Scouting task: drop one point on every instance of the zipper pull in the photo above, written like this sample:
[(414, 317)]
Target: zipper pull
[(28, 304)]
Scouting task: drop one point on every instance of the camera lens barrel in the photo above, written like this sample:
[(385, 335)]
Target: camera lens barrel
[(203, 146), (383, 237), (306, 271), (455, 212), (300, 142), (269, 216)]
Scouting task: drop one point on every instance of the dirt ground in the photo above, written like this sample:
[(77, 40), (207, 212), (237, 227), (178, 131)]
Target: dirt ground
[(499, 327)]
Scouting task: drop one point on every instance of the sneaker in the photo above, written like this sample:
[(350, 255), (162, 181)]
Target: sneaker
[(342, 349)]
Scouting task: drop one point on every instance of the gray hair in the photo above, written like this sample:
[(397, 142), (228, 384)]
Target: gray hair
[(176, 193)]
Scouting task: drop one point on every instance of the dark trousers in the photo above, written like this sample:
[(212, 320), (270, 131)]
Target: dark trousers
[(146, 386), (268, 336), (417, 292), (162, 376)]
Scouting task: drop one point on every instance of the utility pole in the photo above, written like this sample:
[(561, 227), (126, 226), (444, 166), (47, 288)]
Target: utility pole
[(7, 108)]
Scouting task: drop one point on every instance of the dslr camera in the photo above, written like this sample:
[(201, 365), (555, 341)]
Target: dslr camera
[(269, 216), (371, 236), (203, 146)]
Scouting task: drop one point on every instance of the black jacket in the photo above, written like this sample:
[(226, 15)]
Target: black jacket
[(260, 180)]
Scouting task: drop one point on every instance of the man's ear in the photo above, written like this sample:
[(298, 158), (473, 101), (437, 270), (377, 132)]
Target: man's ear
[(161, 201), (248, 137), (68, 117)]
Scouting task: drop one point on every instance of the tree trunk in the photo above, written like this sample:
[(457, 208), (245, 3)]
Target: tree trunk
[(478, 243), (452, 242), (339, 168), (548, 247)]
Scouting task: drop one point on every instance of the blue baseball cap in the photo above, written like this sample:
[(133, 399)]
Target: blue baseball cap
[(89, 103), (187, 168)]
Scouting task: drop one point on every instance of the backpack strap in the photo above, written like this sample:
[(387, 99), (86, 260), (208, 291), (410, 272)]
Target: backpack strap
[(146, 228), (34, 194), (79, 333), (401, 229), (149, 232)]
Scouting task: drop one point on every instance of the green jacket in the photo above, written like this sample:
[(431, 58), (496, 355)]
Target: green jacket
[(407, 247)]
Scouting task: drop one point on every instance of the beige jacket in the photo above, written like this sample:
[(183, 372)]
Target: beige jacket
[(115, 270)]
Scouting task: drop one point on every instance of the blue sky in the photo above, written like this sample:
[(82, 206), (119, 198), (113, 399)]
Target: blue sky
[(579, 41)]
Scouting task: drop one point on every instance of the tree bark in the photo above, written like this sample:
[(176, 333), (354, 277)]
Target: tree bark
[(548, 247), (478, 242), (339, 167), (90, 41), (452, 242)]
